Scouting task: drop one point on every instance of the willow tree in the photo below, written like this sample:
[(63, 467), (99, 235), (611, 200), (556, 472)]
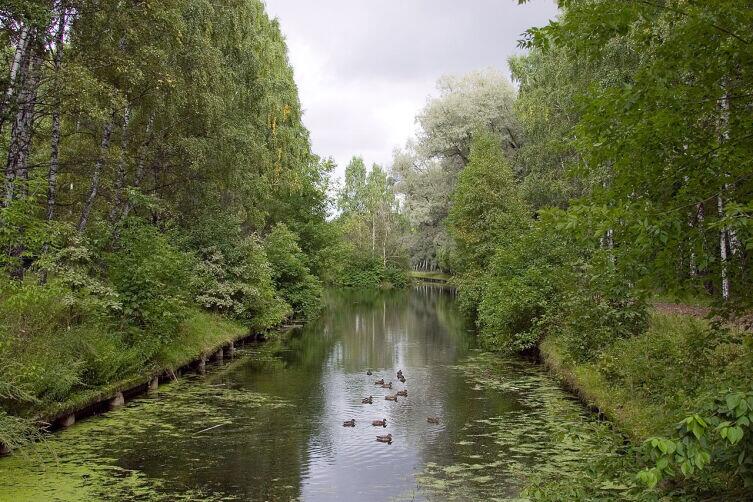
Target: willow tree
[(427, 170)]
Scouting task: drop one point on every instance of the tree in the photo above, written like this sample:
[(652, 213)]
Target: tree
[(427, 170)]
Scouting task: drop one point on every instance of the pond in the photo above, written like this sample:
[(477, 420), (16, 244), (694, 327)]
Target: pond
[(268, 425)]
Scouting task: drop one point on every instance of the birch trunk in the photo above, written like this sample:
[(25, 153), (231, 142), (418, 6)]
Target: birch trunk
[(724, 135), (723, 251), (20, 57), (57, 61), (121, 172), (89, 203), (16, 168)]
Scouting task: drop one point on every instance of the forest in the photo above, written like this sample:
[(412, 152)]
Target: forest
[(160, 192), (157, 176)]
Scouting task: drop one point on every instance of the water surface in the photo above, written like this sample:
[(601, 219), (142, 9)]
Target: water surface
[(268, 424)]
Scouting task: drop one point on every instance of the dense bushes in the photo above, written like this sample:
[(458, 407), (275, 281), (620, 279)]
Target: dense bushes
[(291, 274)]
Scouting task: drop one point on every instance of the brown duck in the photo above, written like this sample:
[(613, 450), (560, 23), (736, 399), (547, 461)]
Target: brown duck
[(385, 439), (379, 423), (350, 423), (432, 420), (379, 382), (399, 373), (367, 400), (402, 379), (387, 385), (403, 393), (391, 398)]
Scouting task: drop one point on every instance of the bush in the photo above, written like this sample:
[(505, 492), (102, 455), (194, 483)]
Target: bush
[(370, 272), (520, 295), (598, 308), (291, 273), (151, 278), (238, 283)]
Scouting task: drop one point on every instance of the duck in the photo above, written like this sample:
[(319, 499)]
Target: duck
[(379, 382), (387, 385), (350, 423), (403, 393), (385, 439), (379, 423), (368, 372), (367, 400), (391, 398), (402, 379), (399, 373), (432, 420)]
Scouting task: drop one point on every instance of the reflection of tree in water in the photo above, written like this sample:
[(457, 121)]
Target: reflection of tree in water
[(279, 403)]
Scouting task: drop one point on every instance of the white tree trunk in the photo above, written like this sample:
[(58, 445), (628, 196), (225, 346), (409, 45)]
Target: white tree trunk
[(57, 62), (121, 172), (89, 203)]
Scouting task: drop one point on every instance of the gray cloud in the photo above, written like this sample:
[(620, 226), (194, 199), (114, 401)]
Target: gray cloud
[(366, 67)]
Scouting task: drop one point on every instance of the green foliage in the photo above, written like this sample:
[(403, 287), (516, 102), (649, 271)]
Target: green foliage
[(487, 210), (721, 438), (238, 282), (521, 293), (162, 140), (290, 273), (150, 276), (370, 249)]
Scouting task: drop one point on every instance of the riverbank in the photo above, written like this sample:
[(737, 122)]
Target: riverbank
[(201, 337), (645, 385)]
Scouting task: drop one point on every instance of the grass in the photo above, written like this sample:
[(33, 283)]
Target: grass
[(200, 334), (648, 383), (636, 418)]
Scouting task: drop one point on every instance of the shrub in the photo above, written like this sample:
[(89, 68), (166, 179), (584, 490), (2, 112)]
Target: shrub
[(239, 283), (598, 308), (151, 277), (291, 274)]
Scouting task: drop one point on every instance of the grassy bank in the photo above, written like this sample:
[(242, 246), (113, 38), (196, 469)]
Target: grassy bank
[(646, 385), (77, 364), (200, 334)]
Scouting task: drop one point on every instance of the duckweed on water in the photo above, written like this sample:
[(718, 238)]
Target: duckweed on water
[(82, 469), (549, 438)]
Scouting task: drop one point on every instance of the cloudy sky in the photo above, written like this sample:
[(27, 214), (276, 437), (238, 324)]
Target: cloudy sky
[(366, 67)]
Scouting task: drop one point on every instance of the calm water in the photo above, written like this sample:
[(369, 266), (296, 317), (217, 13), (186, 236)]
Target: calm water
[(268, 424)]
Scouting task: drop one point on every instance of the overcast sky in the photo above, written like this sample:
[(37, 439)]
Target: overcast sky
[(364, 68)]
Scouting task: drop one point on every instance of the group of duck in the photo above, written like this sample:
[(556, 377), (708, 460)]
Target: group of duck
[(390, 397)]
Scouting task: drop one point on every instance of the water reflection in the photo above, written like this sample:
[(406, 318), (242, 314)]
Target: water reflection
[(277, 412)]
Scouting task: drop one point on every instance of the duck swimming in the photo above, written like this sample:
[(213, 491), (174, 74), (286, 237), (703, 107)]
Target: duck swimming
[(350, 423), (368, 372), (401, 378), (385, 439), (390, 398), (403, 393), (379, 382), (387, 385), (379, 423), (367, 400), (432, 420)]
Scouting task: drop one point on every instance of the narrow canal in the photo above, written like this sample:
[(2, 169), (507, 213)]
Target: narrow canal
[(268, 425)]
